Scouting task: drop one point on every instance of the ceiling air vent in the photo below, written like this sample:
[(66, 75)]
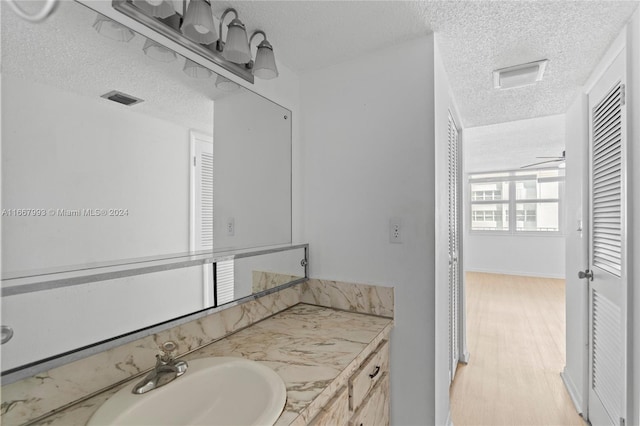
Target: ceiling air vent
[(121, 98), (519, 75)]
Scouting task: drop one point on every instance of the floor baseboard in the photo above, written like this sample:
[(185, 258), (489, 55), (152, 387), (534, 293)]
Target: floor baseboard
[(449, 420), (573, 392)]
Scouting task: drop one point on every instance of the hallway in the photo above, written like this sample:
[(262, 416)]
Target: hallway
[(516, 338)]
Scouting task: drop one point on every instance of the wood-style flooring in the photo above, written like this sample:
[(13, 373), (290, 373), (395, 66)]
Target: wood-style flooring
[(516, 338)]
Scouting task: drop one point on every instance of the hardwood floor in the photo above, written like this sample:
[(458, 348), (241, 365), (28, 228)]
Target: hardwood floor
[(516, 338)]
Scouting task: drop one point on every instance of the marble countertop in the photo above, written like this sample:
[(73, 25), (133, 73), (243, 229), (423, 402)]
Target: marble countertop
[(314, 349)]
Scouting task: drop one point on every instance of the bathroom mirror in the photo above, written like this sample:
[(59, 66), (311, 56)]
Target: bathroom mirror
[(120, 155), (91, 181)]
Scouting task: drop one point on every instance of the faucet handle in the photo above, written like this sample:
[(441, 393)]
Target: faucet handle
[(167, 351), (169, 346)]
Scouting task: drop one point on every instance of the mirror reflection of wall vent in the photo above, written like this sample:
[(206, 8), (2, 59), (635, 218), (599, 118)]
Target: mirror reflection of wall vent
[(122, 98)]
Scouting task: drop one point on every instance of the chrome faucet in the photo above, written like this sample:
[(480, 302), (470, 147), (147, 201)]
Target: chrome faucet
[(165, 371)]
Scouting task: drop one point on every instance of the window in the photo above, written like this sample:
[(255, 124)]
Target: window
[(535, 196), (490, 194)]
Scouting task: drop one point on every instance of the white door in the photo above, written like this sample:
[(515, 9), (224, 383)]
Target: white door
[(607, 247), (201, 194), (454, 247), (201, 233)]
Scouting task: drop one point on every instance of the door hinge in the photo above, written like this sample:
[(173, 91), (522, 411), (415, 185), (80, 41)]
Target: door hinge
[(194, 161), (622, 421), (623, 95)]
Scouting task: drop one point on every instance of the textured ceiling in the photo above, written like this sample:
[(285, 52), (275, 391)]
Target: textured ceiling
[(476, 37)]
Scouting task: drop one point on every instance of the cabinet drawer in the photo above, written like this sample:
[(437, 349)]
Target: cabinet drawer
[(375, 408), (363, 380), (336, 412)]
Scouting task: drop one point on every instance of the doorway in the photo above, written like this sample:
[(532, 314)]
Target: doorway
[(514, 243), (516, 337)]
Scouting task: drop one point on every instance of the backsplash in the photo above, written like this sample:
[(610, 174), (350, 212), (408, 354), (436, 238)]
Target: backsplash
[(31, 398), (362, 298)]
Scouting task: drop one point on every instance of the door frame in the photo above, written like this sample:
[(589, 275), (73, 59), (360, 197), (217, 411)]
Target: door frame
[(463, 350)]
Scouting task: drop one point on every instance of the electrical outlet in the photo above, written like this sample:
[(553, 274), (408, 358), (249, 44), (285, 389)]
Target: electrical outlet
[(231, 227), (395, 230)]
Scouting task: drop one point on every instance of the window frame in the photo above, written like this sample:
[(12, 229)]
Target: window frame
[(511, 177)]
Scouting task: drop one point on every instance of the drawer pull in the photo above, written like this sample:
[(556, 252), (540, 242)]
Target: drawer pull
[(375, 372)]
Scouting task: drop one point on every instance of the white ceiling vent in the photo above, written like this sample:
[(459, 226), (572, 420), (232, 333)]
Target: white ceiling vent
[(519, 75), (121, 98)]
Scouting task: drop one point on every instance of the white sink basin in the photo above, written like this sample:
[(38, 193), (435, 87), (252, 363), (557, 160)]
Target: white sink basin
[(214, 391)]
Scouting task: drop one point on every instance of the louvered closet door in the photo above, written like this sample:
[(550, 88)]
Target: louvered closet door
[(201, 232), (607, 248), (454, 243), (225, 281)]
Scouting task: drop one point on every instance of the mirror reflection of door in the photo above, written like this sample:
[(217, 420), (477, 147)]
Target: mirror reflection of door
[(201, 206)]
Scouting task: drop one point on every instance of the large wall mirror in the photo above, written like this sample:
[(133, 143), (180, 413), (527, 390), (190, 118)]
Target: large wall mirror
[(121, 155)]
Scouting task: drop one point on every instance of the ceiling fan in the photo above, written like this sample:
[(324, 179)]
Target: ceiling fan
[(550, 160)]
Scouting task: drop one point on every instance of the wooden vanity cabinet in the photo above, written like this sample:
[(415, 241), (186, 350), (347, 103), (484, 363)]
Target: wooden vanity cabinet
[(374, 410), (365, 401), (335, 412), (369, 390)]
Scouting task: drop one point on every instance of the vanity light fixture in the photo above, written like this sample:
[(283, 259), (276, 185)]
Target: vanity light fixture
[(198, 23), (48, 8), (236, 48), (195, 70), (157, 8), (198, 34), (155, 50), (112, 29), (519, 75), (226, 85), (264, 66)]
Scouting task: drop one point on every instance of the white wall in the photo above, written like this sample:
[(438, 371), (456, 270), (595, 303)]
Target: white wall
[(536, 256), (577, 296), (508, 146), (443, 103), (368, 156)]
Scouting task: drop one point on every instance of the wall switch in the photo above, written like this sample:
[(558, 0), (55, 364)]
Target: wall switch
[(395, 230), (231, 227)]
